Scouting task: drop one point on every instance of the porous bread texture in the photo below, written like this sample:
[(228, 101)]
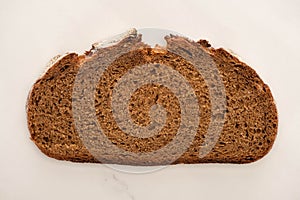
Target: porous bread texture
[(248, 133)]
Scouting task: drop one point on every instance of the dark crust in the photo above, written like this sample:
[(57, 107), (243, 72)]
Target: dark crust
[(219, 55)]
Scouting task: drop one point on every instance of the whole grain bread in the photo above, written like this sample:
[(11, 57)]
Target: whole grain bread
[(250, 118)]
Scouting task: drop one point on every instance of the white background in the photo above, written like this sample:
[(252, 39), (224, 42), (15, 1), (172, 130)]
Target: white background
[(265, 34)]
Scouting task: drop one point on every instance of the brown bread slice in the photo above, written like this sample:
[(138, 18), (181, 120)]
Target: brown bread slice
[(250, 124)]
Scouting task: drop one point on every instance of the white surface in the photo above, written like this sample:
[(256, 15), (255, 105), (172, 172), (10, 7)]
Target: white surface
[(264, 33)]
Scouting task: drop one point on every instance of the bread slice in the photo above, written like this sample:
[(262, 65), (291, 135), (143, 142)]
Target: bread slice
[(249, 117)]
